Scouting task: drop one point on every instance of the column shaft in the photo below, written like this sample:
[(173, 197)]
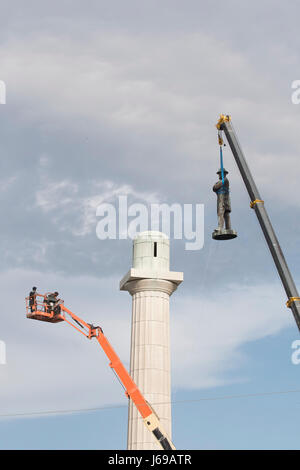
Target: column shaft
[(150, 357)]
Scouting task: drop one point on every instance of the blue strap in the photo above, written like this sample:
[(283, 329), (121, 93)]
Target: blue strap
[(223, 190), (221, 164)]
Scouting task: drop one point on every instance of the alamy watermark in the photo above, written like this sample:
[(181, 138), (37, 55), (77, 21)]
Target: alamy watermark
[(2, 353), (2, 92), (296, 354), (296, 94), (179, 221)]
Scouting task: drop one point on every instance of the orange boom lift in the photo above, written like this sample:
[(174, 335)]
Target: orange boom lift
[(45, 311)]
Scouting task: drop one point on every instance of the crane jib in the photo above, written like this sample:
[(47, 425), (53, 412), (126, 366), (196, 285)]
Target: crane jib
[(257, 204)]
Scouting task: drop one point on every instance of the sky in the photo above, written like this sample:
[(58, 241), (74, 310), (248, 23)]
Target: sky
[(121, 98)]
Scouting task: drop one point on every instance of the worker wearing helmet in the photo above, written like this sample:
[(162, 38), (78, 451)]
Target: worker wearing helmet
[(32, 299), (223, 200), (52, 302), (57, 308)]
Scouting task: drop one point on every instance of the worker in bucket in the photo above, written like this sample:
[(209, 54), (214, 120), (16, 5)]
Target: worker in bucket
[(32, 299), (52, 302), (221, 188)]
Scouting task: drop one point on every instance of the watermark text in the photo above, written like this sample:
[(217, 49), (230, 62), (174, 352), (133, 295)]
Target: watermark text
[(296, 354), (2, 92), (296, 94), (179, 221), (2, 353)]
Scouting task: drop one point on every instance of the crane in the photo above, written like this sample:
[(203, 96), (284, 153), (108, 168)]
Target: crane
[(257, 203), (40, 308)]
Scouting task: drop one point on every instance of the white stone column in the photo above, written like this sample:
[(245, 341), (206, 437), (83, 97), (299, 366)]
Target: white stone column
[(150, 286)]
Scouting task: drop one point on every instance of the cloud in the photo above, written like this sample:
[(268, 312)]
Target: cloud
[(56, 195), (51, 367), (209, 334), (54, 368), (117, 110), (122, 98), (159, 98), (63, 202)]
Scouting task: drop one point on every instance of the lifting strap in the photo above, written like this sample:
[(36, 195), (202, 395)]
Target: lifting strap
[(221, 162), (221, 143)]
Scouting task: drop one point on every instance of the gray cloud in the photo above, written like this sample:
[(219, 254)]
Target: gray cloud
[(50, 365), (122, 99), (138, 110)]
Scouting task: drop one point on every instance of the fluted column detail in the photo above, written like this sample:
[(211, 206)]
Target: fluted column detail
[(150, 356)]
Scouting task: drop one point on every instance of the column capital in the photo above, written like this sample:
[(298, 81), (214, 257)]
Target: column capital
[(141, 285), (139, 274)]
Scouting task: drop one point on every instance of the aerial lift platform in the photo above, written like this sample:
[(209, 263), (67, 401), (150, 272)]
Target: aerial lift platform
[(43, 310)]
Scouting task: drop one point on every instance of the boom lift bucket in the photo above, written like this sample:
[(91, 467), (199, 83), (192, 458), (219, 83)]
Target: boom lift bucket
[(41, 310)]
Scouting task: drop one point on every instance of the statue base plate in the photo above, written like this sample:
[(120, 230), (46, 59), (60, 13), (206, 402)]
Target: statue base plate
[(224, 234)]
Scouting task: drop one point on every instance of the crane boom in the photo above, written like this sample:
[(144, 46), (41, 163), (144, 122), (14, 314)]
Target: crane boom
[(224, 124), (40, 310)]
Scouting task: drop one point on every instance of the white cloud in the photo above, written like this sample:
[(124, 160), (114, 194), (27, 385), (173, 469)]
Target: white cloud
[(170, 87), (56, 195), (209, 333), (109, 193), (52, 367), (142, 87), (62, 198), (7, 183), (49, 366)]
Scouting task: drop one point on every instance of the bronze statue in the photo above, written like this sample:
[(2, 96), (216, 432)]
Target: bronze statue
[(221, 188)]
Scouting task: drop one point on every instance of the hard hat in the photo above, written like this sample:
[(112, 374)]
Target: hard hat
[(219, 172)]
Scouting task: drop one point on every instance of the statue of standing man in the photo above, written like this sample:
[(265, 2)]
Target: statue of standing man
[(223, 208)]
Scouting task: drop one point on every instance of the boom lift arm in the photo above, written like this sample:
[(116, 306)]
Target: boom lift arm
[(224, 124), (42, 312)]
